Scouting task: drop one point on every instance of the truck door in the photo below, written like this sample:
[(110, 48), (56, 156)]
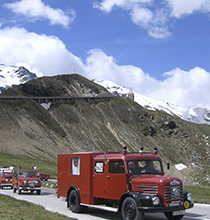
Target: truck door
[(62, 176), (99, 179), (116, 179), (109, 179)]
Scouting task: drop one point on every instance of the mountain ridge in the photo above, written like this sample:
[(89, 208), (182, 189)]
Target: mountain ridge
[(18, 75), (197, 114)]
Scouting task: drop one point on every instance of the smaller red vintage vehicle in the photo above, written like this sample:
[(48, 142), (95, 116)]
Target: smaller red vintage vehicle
[(26, 180), (43, 176), (6, 174)]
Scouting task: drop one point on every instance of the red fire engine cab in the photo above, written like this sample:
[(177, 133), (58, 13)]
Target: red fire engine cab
[(133, 183), (26, 180)]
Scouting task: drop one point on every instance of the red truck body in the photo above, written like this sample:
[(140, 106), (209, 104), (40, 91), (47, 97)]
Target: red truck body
[(121, 180)]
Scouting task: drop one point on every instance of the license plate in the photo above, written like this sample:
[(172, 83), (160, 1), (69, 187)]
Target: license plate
[(180, 212)]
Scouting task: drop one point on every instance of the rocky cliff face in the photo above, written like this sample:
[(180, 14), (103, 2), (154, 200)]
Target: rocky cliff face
[(28, 129)]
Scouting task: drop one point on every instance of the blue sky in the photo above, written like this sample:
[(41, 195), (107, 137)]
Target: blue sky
[(159, 48)]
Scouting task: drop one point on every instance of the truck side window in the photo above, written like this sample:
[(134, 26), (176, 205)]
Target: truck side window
[(99, 167), (116, 166), (75, 166)]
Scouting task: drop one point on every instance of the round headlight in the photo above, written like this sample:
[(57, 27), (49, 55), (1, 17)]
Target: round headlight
[(24, 182), (155, 201), (189, 197)]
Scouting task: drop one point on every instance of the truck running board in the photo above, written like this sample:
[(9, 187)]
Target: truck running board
[(103, 207)]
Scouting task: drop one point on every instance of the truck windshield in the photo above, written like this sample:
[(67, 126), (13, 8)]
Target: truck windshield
[(139, 167), (8, 175), (27, 174)]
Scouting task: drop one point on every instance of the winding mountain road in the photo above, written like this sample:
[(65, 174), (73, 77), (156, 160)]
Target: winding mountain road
[(49, 201)]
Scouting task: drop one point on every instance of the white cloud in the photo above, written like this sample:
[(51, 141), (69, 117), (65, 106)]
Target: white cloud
[(153, 22), (36, 9), (100, 66), (45, 54), (142, 13), (109, 5), (154, 16), (187, 7), (185, 88)]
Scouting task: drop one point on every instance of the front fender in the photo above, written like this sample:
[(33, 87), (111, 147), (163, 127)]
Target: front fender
[(142, 200)]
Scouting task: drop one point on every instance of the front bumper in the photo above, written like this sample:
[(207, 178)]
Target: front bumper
[(6, 185), (27, 188), (164, 209)]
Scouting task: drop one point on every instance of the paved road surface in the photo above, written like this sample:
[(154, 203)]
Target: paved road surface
[(49, 200)]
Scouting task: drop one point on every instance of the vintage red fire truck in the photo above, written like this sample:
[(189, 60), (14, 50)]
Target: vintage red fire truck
[(26, 180), (133, 183), (6, 174)]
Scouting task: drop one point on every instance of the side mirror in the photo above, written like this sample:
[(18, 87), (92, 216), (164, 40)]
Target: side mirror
[(168, 166)]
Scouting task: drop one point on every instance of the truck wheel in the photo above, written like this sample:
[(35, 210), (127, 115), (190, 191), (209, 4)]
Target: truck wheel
[(129, 210), (169, 216), (19, 191), (14, 190), (38, 192), (74, 202)]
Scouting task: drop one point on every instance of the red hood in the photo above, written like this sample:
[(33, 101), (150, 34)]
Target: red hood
[(151, 183), (154, 179), (28, 178)]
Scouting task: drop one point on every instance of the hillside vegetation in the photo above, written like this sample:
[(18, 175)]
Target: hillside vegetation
[(32, 135)]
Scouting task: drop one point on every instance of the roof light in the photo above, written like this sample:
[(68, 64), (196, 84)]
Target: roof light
[(124, 150), (141, 150), (155, 150)]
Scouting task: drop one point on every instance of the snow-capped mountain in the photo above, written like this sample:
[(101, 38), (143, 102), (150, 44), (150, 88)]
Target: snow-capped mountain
[(14, 75), (197, 115)]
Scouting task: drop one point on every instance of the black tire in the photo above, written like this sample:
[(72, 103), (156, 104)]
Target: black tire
[(14, 190), (38, 192), (129, 210), (74, 202), (169, 216), (19, 191)]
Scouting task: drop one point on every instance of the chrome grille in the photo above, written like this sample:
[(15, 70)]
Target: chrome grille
[(174, 193), (148, 189)]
